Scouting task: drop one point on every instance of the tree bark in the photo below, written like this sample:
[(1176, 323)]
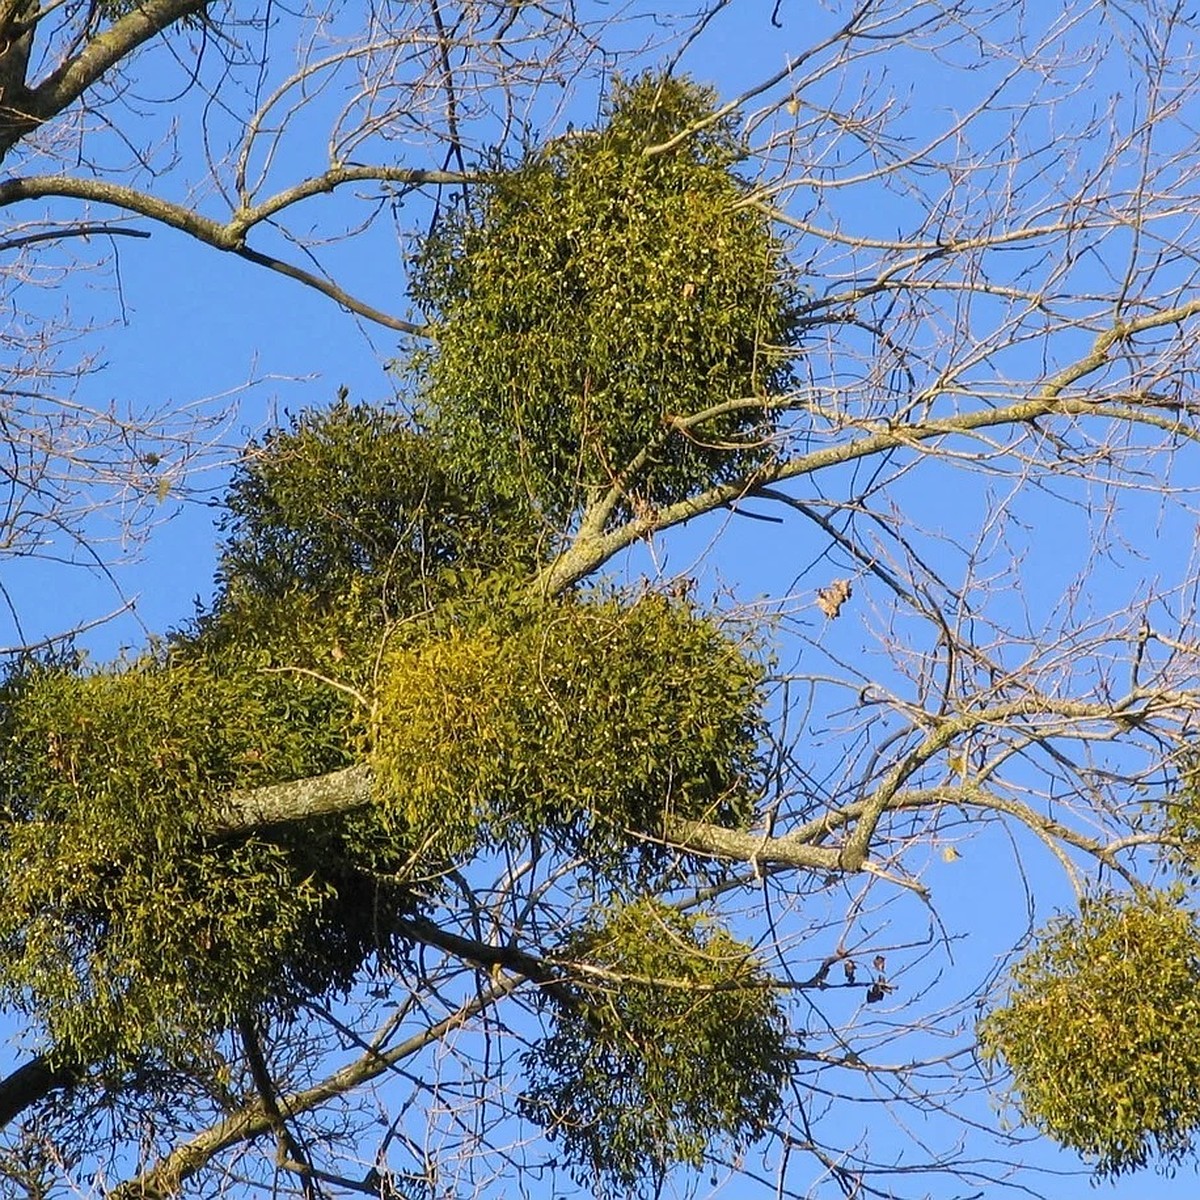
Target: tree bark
[(23, 109), (31, 1082)]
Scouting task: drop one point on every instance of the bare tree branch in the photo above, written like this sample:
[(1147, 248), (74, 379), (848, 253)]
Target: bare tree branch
[(33, 107)]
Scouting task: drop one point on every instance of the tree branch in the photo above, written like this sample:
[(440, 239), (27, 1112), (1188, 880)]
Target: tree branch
[(101, 52), (163, 1179), (31, 1082), (350, 789), (330, 289), (591, 550), (83, 231), (288, 1150), (287, 803), (230, 236), (743, 846)]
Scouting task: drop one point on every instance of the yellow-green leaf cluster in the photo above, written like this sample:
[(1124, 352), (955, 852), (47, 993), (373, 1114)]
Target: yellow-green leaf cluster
[(1101, 1030), (1182, 818), (125, 929), (573, 720), (596, 294), (341, 522), (668, 1037)]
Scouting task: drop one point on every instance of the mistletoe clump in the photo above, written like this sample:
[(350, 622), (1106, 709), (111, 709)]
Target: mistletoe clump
[(612, 311), (127, 926), (139, 920), (1101, 1031), (342, 522), (613, 327), (668, 1036), (582, 721)]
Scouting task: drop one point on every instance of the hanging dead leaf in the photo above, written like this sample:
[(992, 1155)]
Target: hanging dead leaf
[(830, 599)]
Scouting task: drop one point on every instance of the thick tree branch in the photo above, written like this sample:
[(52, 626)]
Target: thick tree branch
[(99, 191), (30, 1083), (16, 44), (287, 803), (348, 790), (591, 549), (738, 845), (229, 235), (491, 958), (100, 53)]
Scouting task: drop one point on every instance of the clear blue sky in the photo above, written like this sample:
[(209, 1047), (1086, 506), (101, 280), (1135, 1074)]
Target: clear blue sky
[(192, 324)]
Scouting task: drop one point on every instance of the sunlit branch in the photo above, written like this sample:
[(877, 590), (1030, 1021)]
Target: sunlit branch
[(591, 548), (34, 107), (163, 1179), (230, 236)]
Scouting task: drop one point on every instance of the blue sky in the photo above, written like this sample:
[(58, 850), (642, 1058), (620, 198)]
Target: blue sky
[(181, 323)]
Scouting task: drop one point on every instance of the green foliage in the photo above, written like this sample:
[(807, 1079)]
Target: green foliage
[(348, 516), (592, 299), (1182, 813), (129, 928), (1101, 1030), (596, 292), (125, 929), (572, 720), (668, 1037)]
